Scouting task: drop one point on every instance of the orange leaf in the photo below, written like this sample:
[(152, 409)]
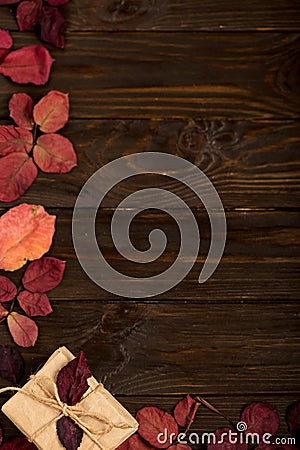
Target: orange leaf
[(26, 233), (3, 312), (24, 331)]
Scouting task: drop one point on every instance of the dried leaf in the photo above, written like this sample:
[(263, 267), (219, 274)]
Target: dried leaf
[(24, 331), (28, 13), (53, 26), (153, 421), (8, 290), (135, 442), (260, 418), (35, 304), (54, 154), (180, 447), (6, 43), (21, 110), (57, 2), (69, 433), (18, 444), (185, 411), (28, 65), (223, 441), (52, 112), (293, 416), (11, 364), (3, 312), (72, 380), (26, 233), (14, 140), (44, 274), (17, 173)]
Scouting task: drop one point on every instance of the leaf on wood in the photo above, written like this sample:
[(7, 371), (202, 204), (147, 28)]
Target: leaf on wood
[(3, 312), (54, 153), (69, 433), (24, 330), (72, 380), (28, 13), (293, 416), (53, 26), (8, 290), (21, 110), (6, 43), (18, 444), (30, 64), (26, 233), (51, 113), (135, 442), (222, 441), (153, 421), (180, 447), (185, 411), (13, 139), (17, 173), (11, 364), (35, 303), (44, 274), (260, 418)]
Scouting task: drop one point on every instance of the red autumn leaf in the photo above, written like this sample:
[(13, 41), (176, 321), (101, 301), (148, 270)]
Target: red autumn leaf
[(223, 441), (24, 331), (13, 140), (53, 26), (18, 444), (6, 43), (8, 2), (17, 173), (28, 13), (57, 2), (11, 364), (54, 153), (26, 233), (155, 425), (180, 447), (44, 274), (3, 312), (260, 418), (185, 411), (135, 442), (34, 304), (21, 110), (293, 416), (30, 64), (8, 290), (69, 433), (72, 380), (51, 113)]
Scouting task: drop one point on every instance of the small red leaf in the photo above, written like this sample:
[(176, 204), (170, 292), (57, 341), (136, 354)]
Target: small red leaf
[(28, 13), (8, 290), (155, 425), (44, 274), (69, 433), (6, 43), (11, 364), (185, 411), (51, 113), (180, 447), (8, 2), (21, 110), (54, 154), (260, 418), (34, 304), (14, 140), (17, 173), (3, 312), (57, 2), (28, 65), (18, 444), (224, 440), (135, 442), (293, 416), (53, 26), (72, 380), (24, 331)]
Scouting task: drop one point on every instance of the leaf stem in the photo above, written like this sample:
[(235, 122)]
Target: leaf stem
[(215, 410)]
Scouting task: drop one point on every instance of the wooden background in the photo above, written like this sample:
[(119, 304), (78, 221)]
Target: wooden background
[(138, 72)]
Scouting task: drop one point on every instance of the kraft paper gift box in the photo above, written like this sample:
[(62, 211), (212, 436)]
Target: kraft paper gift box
[(34, 410)]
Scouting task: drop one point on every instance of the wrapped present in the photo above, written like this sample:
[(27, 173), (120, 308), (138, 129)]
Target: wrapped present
[(37, 408)]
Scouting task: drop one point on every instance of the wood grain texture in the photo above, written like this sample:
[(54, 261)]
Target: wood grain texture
[(175, 15), (251, 164), (174, 75)]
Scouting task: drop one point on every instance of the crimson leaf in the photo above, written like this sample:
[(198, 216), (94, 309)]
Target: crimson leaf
[(11, 364), (35, 303), (293, 416), (156, 426), (69, 433), (185, 411), (260, 418), (44, 274), (53, 26), (8, 289), (18, 444)]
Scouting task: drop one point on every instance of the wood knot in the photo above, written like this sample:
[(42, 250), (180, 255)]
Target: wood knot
[(191, 141), (119, 11)]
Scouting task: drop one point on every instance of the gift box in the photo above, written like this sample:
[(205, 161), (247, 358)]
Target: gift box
[(35, 410)]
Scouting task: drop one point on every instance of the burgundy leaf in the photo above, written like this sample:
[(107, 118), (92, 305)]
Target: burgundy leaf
[(72, 380), (28, 13), (24, 331), (30, 64), (260, 418), (54, 153), (34, 304), (11, 364), (185, 411), (44, 274), (57, 2), (3, 312), (51, 113), (21, 110), (223, 441), (17, 173), (53, 26), (6, 43), (135, 442), (156, 426), (69, 433), (14, 140), (8, 290), (8, 2), (18, 444), (293, 416), (180, 447)]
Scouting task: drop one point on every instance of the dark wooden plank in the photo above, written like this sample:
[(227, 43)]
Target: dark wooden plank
[(170, 348), (252, 164), (175, 75), (174, 15)]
